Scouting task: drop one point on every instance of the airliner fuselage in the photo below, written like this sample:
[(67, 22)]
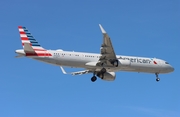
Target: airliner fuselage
[(80, 60), (103, 65)]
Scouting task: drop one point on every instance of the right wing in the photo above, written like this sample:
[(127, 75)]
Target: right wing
[(108, 55)]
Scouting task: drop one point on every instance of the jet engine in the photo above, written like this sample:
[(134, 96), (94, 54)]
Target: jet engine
[(115, 63), (121, 63), (109, 76)]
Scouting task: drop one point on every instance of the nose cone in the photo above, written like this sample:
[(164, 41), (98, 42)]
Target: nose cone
[(170, 68)]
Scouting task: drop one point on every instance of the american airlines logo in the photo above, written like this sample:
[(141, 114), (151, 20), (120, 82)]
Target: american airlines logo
[(138, 60)]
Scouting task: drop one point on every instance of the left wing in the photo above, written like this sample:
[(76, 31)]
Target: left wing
[(76, 73), (108, 55)]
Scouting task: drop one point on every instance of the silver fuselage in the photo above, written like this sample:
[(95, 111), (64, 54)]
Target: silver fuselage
[(80, 60)]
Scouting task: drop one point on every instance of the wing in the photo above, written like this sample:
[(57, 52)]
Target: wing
[(76, 73), (107, 58), (108, 55)]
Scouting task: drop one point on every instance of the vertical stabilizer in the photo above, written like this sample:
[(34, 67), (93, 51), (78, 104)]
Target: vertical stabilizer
[(30, 45), (26, 37)]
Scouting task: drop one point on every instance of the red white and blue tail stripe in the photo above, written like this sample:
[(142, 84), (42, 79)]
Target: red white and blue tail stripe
[(27, 38)]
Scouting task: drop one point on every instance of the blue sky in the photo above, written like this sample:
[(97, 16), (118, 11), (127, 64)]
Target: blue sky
[(29, 88)]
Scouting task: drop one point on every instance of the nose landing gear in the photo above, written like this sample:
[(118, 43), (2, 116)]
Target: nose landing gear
[(157, 78)]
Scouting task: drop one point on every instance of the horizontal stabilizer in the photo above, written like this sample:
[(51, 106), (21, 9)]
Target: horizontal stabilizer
[(19, 56), (75, 73)]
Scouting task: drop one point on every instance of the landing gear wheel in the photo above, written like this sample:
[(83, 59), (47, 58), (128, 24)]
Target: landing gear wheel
[(157, 79), (94, 78)]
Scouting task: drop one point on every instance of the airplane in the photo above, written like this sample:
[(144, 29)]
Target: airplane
[(102, 65)]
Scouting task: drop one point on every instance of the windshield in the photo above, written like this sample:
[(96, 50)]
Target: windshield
[(166, 63)]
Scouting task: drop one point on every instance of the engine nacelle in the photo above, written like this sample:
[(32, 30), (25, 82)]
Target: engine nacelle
[(121, 63), (109, 76), (115, 63)]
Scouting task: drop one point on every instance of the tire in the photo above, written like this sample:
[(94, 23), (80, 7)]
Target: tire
[(157, 79), (94, 78)]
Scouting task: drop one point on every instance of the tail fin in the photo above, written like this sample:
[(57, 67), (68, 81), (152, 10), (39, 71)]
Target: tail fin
[(30, 45), (26, 37)]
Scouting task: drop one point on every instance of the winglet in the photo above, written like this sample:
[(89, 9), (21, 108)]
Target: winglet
[(63, 71), (102, 30)]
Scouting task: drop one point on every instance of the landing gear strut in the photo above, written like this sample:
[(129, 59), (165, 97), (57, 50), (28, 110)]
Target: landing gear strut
[(103, 70), (99, 74), (157, 78)]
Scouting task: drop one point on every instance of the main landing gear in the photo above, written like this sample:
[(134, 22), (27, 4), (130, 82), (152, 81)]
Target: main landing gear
[(103, 70), (157, 78), (94, 78)]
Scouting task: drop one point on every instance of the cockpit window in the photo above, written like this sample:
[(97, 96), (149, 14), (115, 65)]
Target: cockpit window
[(166, 63)]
